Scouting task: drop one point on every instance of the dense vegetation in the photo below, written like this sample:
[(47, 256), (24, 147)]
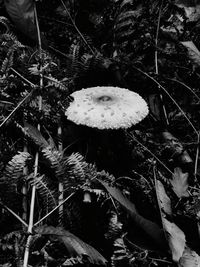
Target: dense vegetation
[(74, 195)]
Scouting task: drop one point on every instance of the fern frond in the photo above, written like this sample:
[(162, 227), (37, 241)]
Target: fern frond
[(9, 180), (7, 63), (56, 83), (126, 3), (54, 157), (5, 22), (44, 187), (105, 176), (114, 227), (120, 254), (14, 168)]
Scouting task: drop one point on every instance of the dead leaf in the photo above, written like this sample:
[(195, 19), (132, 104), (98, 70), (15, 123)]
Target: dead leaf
[(163, 199), (189, 259), (192, 9), (193, 52), (180, 183), (176, 239)]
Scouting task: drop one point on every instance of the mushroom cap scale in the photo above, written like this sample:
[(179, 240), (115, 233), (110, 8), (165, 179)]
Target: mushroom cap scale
[(106, 107)]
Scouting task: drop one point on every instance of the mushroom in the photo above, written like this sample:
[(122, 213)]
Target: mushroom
[(106, 109)]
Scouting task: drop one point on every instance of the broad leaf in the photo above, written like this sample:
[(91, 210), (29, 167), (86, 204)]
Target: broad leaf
[(176, 239), (75, 246), (163, 199), (151, 228), (189, 259), (193, 52), (22, 14), (180, 183)]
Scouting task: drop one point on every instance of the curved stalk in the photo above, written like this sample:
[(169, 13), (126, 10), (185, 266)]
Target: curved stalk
[(31, 215)]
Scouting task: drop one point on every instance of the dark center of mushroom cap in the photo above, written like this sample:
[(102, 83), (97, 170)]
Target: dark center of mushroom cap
[(104, 98)]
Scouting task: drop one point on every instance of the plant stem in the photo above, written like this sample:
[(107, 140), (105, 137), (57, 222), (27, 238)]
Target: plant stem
[(24, 188), (16, 108), (60, 184), (42, 219), (196, 159), (152, 154), (173, 100), (31, 216), (76, 28), (156, 63), (14, 214)]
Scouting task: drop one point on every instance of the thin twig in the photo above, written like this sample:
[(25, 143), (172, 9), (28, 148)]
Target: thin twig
[(76, 28), (173, 100), (156, 61), (16, 108), (23, 78), (14, 214), (32, 205), (196, 159), (47, 215), (186, 86), (152, 154)]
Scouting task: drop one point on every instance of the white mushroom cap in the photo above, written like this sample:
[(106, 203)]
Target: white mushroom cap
[(107, 108)]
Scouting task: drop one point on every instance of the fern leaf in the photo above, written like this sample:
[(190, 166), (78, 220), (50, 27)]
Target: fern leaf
[(126, 3), (15, 166), (74, 245), (56, 83), (9, 180), (47, 194), (5, 22), (54, 157)]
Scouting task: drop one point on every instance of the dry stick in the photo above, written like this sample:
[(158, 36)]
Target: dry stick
[(196, 159), (14, 214), (24, 188), (173, 100), (23, 78), (186, 86), (31, 215), (60, 184), (156, 62), (16, 108), (152, 154), (76, 28), (57, 207)]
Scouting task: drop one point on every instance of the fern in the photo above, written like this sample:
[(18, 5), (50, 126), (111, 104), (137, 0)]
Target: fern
[(11, 45), (124, 28), (47, 194), (9, 180), (5, 22), (56, 83)]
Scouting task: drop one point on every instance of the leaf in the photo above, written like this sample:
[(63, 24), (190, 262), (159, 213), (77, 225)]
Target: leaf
[(163, 199), (155, 106), (176, 239), (193, 52), (151, 228), (189, 259), (192, 9), (74, 245), (180, 183), (35, 135), (22, 14)]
